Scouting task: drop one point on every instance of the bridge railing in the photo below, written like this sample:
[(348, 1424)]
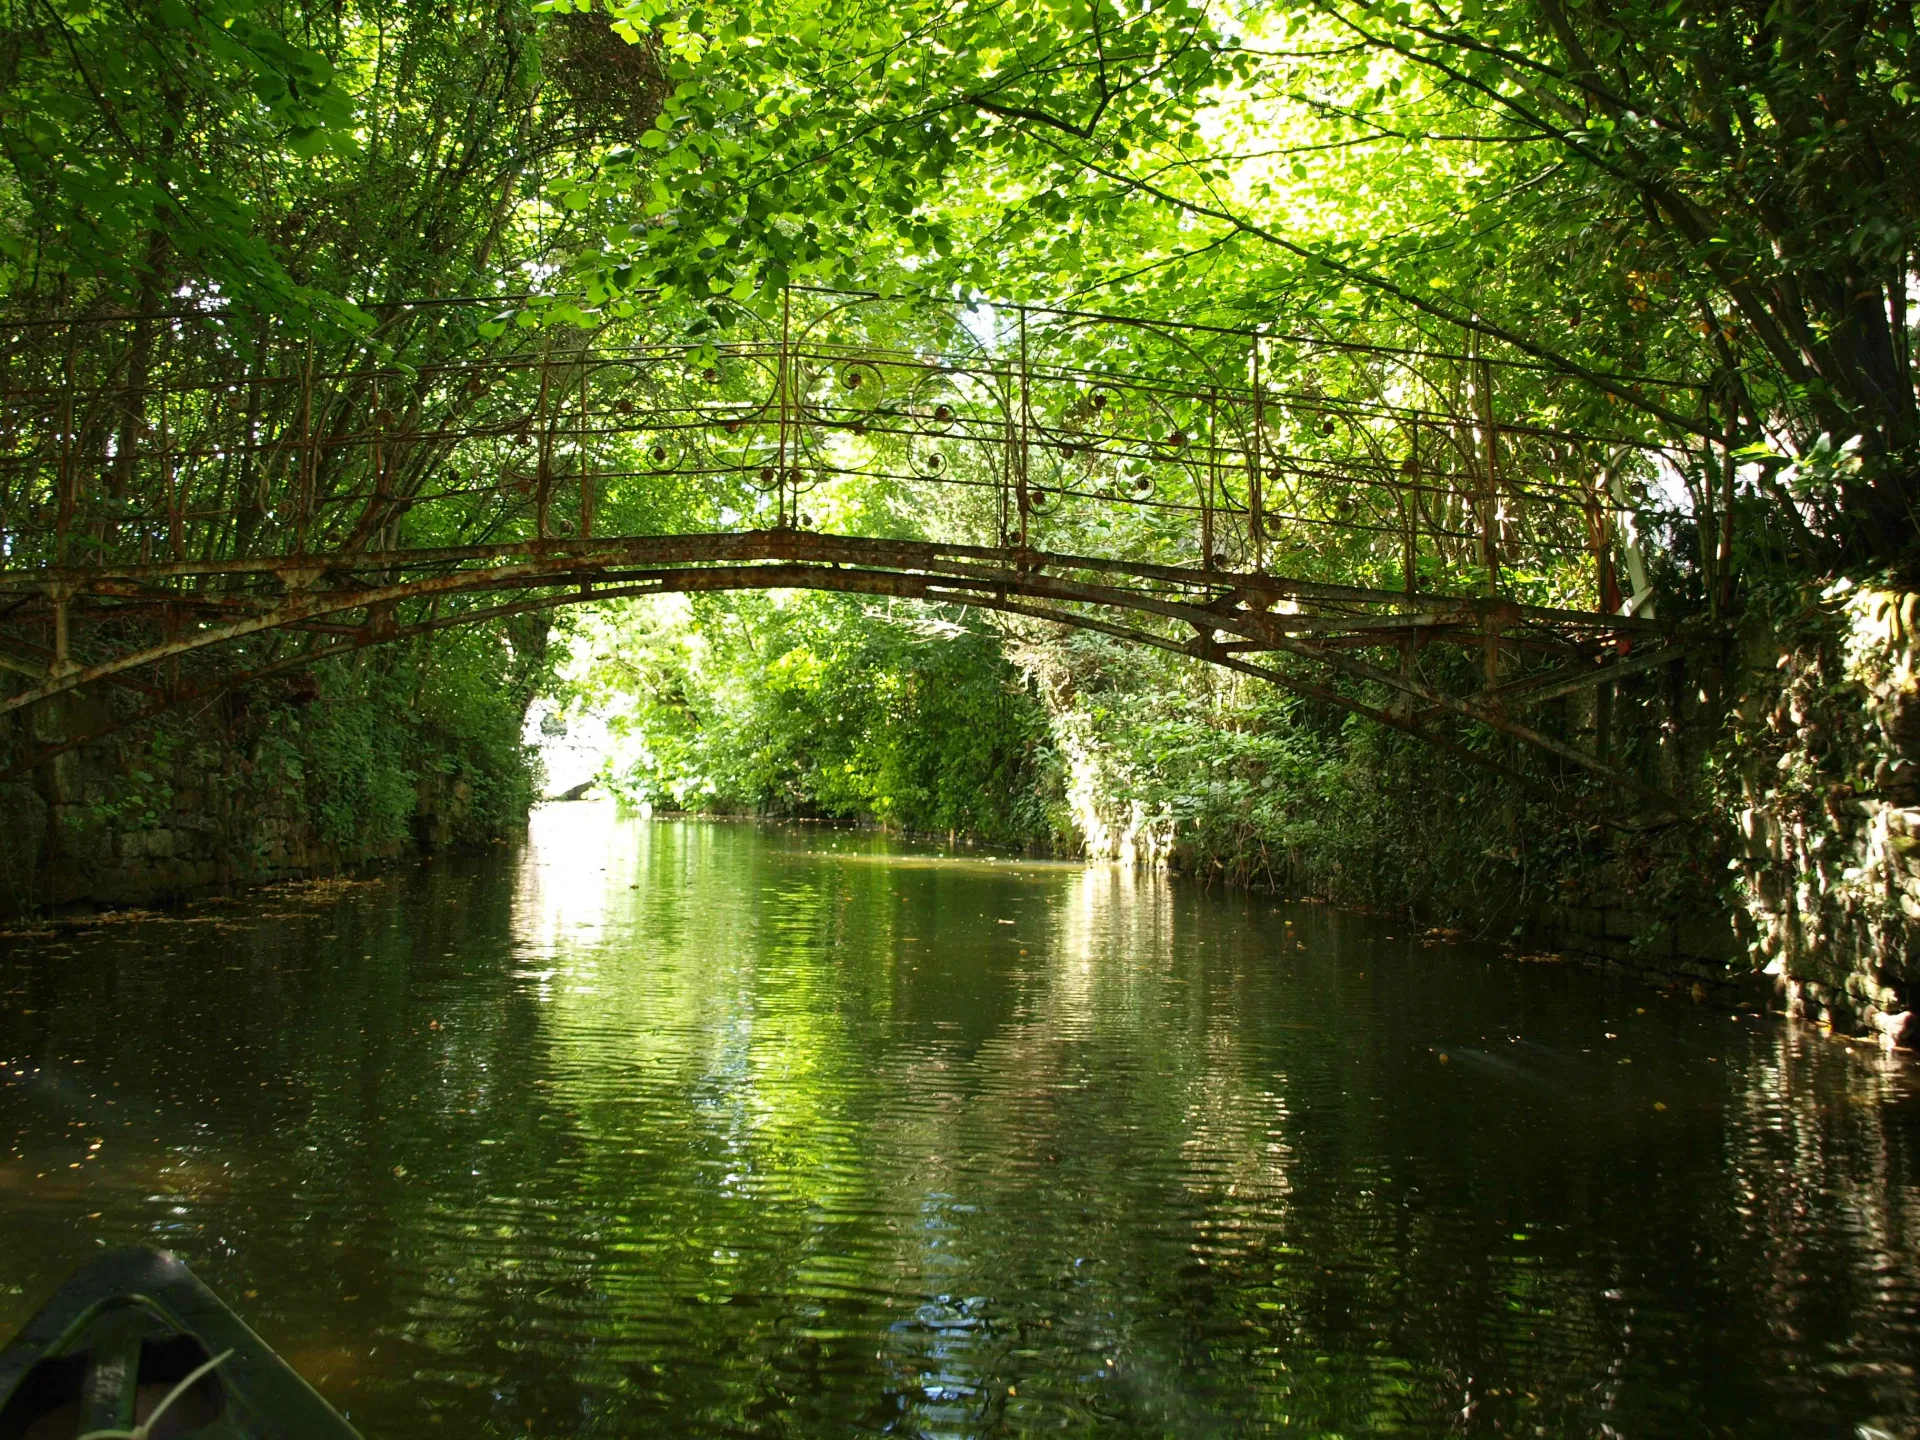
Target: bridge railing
[(171, 443)]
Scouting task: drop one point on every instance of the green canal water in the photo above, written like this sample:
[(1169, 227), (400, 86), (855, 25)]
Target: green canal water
[(714, 1129)]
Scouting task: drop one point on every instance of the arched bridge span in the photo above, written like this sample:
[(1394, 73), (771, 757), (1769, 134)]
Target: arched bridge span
[(189, 503)]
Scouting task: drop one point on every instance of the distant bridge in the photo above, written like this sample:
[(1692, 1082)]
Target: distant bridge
[(195, 501)]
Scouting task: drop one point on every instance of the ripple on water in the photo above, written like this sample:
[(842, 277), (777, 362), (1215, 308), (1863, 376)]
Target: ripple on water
[(739, 1130)]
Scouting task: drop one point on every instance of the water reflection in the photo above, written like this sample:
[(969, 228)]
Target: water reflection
[(719, 1129)]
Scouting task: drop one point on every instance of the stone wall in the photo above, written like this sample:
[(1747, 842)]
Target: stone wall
[(1702, 952), (196, 804), (1824, 793), (1812, 791), (1655, 901)]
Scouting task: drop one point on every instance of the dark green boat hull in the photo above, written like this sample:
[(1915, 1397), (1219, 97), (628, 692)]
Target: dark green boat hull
[(123, 1333)]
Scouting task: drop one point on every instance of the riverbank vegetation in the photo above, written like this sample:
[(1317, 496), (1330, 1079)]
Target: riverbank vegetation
[(819, 705)]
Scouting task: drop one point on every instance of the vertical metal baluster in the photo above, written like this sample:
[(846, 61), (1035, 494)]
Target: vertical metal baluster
[(1409, 512), (64, 506), (379, 467), (1023, 418), (1600, 538), (1730, 472), (176, 528), (304, 496), (580, 450), (1256, 519), (7, 448), (63, 520), (1006, 462), (1489, 463), (174, 614), (1489, 511), (544, 449), (782, 378), (1209, 480), (62, 637)]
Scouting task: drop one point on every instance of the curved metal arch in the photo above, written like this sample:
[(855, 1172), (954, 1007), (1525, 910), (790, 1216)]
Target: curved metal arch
[(1228, 615)]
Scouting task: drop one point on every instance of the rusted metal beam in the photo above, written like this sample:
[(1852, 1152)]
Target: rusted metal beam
[(960, 583), (827, 548), (1567, 680)]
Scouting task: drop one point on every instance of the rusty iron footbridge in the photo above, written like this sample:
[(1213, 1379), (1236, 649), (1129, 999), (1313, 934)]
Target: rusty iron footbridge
[(196, 500)]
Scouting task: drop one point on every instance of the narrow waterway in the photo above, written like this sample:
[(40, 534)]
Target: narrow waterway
[(713, 1129)]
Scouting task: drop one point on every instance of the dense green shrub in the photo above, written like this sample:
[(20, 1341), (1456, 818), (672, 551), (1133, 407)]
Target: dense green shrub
[(404, 726), (813, 705)]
